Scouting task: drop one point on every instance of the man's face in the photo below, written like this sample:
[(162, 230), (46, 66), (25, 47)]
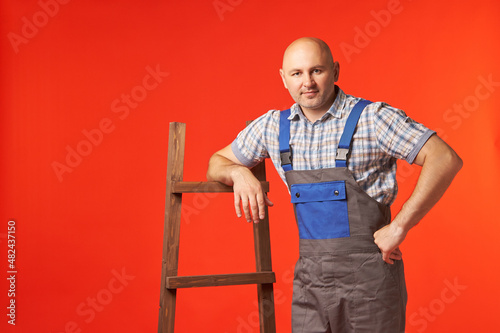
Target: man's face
[(309, 75)]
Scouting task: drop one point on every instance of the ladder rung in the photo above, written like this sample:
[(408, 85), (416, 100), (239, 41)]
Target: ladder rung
[(174, 282), (207, 187)]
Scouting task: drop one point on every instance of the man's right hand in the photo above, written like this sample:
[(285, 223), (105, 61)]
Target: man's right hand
[(248, 194), (225, 167)]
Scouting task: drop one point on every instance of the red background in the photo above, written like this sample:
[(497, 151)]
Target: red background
[(75, 232)]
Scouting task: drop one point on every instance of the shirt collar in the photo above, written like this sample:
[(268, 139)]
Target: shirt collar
[(336, 110)]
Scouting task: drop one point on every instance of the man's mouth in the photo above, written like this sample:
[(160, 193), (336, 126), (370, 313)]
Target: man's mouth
[(310, 93)]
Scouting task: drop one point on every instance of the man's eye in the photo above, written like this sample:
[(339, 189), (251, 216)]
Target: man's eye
[(317, 71), (295, 74)]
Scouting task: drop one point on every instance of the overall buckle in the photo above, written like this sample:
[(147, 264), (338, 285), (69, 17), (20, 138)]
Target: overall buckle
[(342, 154), (286, 158)]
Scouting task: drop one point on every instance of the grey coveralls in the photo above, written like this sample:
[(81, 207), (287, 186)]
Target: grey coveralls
[(341, 283)]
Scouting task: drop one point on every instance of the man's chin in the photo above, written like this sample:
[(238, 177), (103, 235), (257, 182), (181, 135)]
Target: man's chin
[(309, 106)]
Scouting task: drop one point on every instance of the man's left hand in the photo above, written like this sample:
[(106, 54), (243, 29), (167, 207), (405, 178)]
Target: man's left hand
[(388, 240)]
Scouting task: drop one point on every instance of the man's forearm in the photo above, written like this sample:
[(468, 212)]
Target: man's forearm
[(438, 170), (219, 169)]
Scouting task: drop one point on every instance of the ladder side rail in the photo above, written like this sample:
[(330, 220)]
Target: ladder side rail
[(173, 202), (262, 244)]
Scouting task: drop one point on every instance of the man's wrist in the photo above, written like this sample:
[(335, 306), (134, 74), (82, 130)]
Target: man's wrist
[(399, 228), (236, 171)]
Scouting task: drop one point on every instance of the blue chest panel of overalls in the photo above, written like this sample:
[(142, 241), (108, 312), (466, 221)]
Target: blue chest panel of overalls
[(320, 208)]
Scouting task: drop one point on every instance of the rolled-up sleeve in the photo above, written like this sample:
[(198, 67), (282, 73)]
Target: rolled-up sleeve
[(250, 145), (398, 135)]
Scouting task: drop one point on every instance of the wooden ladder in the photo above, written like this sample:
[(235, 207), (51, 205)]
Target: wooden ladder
[(264, 277)]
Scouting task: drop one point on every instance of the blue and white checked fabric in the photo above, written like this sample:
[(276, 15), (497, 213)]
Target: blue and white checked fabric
[(383, 135)]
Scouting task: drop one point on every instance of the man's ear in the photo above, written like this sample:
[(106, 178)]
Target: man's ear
[(283, 77), (336, 70)]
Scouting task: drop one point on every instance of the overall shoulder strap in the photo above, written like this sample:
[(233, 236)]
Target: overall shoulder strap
[(345, 140), (284, 140)]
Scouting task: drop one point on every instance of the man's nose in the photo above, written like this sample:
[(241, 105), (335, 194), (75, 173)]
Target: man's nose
[(308, 80)]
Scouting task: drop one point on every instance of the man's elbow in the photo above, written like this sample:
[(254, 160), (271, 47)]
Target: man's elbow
[(459, 163), (210, 170), (453, 161)]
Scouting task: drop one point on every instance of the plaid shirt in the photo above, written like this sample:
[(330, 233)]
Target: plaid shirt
[(383, 135)]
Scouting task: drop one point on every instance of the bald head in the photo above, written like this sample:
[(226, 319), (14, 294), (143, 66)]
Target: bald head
[(305, 45), (309, 73)]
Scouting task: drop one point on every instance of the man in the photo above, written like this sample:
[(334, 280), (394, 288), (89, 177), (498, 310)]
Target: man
[(337, 154)]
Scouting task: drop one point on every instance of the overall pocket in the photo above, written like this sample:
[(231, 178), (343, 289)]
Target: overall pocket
[(321, 209)]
